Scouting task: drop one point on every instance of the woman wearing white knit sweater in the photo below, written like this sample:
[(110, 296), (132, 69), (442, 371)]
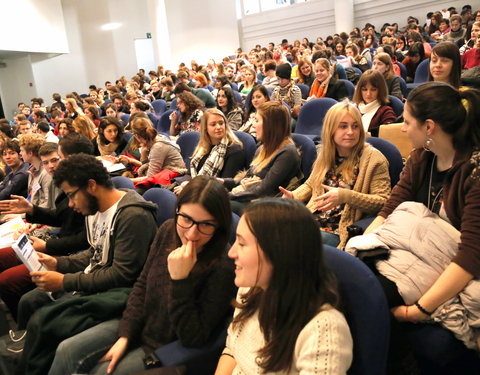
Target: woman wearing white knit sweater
[(276, 329), (349, 178)]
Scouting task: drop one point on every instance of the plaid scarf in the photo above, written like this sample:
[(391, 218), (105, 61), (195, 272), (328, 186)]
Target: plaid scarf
[(214, 163)]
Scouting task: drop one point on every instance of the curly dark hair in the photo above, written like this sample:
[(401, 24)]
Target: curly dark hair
[(78, 169), (11, 144), (192, 103), (231, 102), (106, 121)]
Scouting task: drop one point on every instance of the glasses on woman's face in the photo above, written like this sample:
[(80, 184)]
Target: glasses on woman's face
[(203, 227)]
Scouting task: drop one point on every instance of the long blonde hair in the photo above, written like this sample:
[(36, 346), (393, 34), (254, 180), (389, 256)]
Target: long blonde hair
[(276, 132), (74, 105), (83, 125), (326, 158), (205, 143)]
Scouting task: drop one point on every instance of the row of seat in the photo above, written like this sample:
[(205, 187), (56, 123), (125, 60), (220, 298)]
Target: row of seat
[(366, 308)]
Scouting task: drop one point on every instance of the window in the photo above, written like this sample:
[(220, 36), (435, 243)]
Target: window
[(257, 6)]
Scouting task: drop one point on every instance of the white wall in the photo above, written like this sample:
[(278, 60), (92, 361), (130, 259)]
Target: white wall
[(200, 30), (15, 81), (96, 55), (311, 20), (317, 18), (32, 26)]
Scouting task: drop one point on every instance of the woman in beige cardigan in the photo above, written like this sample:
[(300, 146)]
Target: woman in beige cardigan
[(349, 179)]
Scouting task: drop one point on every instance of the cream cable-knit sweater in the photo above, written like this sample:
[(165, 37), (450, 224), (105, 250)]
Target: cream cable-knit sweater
[(371, 191), (324, 345)]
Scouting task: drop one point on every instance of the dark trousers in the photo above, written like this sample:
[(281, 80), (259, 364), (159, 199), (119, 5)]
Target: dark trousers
[(15, 280), (33, 301)]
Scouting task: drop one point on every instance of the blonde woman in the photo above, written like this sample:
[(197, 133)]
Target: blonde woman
[(384, 64), (325, 85), (72, 108), (219, 152), (83, 125), (349, 178), (250, 78)]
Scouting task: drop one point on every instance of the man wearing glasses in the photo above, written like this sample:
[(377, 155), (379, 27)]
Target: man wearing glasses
[(120, 227), (69, 234)]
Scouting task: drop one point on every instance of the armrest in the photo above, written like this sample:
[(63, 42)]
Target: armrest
[(201, 360)]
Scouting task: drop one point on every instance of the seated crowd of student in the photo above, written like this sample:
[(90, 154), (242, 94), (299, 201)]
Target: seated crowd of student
[(119, 287)]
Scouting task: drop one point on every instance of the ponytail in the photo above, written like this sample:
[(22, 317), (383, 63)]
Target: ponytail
[(457, 112), (469, 132)]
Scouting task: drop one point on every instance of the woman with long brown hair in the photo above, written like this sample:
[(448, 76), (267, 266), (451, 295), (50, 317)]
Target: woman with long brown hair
[(286, 319), (276, 162)]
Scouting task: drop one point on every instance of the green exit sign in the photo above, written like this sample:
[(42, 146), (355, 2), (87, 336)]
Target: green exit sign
[(149, 35)]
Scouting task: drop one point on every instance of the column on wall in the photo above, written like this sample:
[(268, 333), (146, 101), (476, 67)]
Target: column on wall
[(344, 16), (160, 33)]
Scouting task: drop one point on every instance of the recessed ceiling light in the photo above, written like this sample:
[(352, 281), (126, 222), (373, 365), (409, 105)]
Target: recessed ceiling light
[(110, 26)]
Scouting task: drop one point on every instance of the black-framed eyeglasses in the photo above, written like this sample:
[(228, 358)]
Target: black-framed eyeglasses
[(72, 194), (203, 227)]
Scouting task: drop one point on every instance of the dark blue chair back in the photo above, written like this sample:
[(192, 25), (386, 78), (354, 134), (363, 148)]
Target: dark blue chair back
[(163, 125), (233, 231), (153, 118), (127, 136), (396, 104), (366, 312), (247, 102), (305, 89), (238, 97), (173, 104), (125, 118), (234, 86), (403, 87), (403, 70), (391, 153), (421, 74), (356, 70), (210, 88), (249, 145), (187, 142), (165, 201), (159, 106), (308, 153), (121, 182), (310, 119), (350, 88)]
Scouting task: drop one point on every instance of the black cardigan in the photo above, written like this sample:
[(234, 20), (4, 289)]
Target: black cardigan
[(336, 90)]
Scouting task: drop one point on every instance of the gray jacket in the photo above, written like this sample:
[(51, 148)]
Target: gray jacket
[(132, 232), (422, 245)]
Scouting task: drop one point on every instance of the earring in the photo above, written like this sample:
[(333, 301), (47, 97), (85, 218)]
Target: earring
[(428, 144)]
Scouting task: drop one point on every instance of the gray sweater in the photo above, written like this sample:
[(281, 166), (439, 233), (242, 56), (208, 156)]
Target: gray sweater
[(133, 230)]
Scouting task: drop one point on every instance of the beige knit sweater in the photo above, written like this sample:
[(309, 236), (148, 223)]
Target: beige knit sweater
[(371, 191), (323, 346)]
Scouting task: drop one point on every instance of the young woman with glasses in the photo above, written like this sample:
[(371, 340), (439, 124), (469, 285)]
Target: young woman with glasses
[(183, 292)]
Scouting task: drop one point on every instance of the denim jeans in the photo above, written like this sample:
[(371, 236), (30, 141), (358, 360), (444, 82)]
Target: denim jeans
[(330, 239), (80, 353)]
